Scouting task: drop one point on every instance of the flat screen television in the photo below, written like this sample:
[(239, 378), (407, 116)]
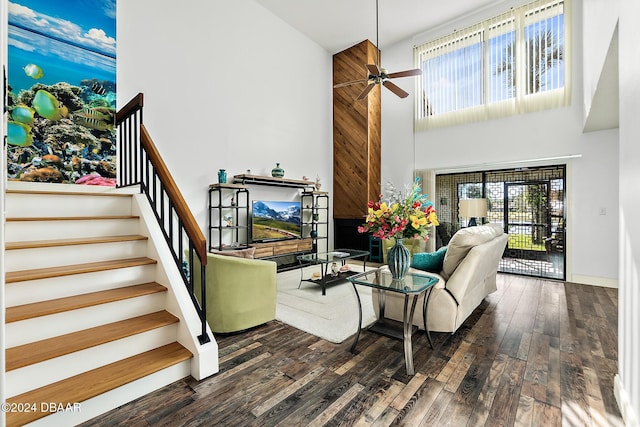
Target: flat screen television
[(275, 220)]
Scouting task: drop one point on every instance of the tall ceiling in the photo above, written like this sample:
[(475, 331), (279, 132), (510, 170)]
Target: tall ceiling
[(339, 24)]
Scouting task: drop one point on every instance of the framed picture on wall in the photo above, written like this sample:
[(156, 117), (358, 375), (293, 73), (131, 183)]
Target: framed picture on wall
[(61, 91)]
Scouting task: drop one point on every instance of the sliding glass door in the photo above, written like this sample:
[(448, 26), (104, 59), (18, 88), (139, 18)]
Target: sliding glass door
[(529, 203)]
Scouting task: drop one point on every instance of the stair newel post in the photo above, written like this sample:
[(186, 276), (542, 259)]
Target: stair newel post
[(140, 152), (204, 338)]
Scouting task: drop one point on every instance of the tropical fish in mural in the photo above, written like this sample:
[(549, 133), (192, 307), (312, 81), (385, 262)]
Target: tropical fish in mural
[(19, 134), (92, 123), (98, 113), (98, 88), (32, 70), (23, 114), (48, 106)]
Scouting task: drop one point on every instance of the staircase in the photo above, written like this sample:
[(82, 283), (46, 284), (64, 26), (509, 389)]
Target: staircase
[(87, 325)]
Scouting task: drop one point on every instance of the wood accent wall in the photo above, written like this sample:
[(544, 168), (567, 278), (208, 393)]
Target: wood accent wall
[(356, 134)]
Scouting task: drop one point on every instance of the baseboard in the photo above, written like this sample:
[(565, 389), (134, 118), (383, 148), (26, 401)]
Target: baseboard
[(628, 414), (605, 282)]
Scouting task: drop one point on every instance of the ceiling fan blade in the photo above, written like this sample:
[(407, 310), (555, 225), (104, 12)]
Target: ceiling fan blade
[(366, 91), (350, 83), (373, 69), (395, 89), (407, 73)]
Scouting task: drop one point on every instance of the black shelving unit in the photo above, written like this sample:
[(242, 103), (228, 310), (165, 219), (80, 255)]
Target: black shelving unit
[(228, 216), (315, 218), (316, 200)]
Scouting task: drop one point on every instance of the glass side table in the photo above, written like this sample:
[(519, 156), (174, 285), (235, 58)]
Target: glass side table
[(412, 286)]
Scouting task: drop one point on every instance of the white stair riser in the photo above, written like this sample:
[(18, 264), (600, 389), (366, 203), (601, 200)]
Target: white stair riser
[(54, 256), (31, 330), (117, 397), (31, 377), (21, 231), (36, 329), (30, 291), (54, 205)]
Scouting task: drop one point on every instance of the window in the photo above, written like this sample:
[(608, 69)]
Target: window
[(513, 63), (528, 203), (469, 191)]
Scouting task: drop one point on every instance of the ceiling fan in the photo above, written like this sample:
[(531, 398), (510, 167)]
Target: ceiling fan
[(378, 75)]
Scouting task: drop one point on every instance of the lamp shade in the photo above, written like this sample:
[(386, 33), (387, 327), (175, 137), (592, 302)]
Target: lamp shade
[(473, 208)]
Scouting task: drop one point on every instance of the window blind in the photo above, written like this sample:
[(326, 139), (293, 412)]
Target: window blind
[(513, 63)]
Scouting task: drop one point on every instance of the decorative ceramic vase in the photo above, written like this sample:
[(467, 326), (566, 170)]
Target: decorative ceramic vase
[(222, 176), (398, 259), (277, 172)]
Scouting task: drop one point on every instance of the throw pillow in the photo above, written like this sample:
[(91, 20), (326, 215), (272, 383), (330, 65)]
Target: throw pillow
[(240, 253), (429, 261)]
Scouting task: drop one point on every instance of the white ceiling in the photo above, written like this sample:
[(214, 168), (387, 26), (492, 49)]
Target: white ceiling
[(339, 24)]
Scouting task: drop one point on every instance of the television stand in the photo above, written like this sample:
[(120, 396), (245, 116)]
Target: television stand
[(314, 208), (230, 218), (283, 252)]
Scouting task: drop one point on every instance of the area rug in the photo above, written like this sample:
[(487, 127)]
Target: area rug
[(333, 317)]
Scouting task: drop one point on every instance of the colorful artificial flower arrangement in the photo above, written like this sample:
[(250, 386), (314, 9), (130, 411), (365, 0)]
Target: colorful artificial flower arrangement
[(399, 215)]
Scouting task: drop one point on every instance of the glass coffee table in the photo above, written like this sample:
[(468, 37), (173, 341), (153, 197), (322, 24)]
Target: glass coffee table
[(413, 285), (324, 259)]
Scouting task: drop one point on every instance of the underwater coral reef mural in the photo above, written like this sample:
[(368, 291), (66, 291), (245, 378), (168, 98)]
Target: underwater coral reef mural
[(62, 91)]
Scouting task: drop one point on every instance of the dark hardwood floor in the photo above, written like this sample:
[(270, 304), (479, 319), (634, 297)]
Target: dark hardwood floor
[(535, 353)]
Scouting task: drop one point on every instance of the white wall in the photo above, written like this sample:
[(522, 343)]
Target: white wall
[(592, 179), (601, 14), (226, 85), (628, 380)]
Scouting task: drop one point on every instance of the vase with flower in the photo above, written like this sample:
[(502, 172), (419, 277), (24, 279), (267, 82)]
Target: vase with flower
[(400, 215)]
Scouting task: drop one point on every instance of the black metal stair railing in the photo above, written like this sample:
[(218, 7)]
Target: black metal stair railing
[(139, 163)]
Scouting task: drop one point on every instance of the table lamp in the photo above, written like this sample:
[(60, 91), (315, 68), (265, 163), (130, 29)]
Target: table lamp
[(472, 209)]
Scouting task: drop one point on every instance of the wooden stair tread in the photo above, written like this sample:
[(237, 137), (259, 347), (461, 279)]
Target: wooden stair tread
[(71, 193), (67, 270), (35, 352), (69, 242), (97, 381), (71, 218), (59, 305), (39, 351)]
